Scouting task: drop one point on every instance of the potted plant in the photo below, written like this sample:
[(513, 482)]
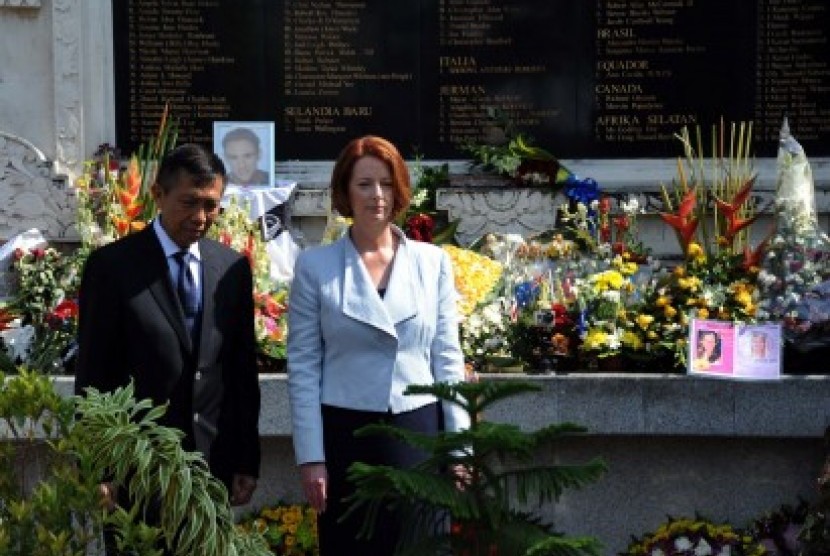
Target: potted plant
[(502, 477), (61, 448)]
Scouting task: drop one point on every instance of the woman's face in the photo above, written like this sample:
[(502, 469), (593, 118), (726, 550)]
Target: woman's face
[(371, 191), (708, 342)]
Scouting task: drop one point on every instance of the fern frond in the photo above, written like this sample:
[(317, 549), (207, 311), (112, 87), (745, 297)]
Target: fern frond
[(548, 483), (566, 546)]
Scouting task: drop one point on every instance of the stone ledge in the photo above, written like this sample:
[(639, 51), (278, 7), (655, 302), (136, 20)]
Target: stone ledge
[(631, 405)]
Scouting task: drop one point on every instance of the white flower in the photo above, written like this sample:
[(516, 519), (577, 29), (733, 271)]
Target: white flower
[(703, 548), (682, 543), (612, 295), (657, 552), (632, 207), (725, 551), (614, 342), (17, 340)]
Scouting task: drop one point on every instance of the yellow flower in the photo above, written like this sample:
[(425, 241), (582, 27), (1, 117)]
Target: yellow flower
[(662, 301), (703, 313), (610, 279), (651, 335), (595, 339), (690, 283), (695, 251), (643, 320), (475, 276), (627, 268), (743, 297), (679, 271), (631, 340), (669, 311)]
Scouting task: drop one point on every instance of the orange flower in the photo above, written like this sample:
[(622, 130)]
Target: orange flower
[(730, 209), (734, 223), (122, 225), (248, 250), (5, 318), (132, 211), (752, 257), (131, 183), (125, 198), (682, 222)]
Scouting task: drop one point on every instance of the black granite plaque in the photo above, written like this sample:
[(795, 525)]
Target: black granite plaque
[(600, 78)]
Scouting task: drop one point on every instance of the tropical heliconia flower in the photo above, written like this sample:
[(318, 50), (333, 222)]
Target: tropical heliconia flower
[(731, 211), (683, 222)]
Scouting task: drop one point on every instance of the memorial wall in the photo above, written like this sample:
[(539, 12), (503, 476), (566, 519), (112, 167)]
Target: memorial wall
[(587, 79)]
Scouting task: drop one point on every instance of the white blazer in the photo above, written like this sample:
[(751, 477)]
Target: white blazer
[(350, 348)]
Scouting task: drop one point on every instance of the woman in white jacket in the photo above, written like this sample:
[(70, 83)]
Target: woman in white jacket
[(369, 315)]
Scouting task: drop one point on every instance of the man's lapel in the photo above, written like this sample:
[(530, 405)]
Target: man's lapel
[(210, 279), (162, 289)]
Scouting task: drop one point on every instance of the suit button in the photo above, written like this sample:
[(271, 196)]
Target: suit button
[(195, 417), (198, 375)]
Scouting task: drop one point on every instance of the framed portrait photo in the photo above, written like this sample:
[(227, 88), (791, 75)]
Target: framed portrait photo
[(735, 350), (247, 149)]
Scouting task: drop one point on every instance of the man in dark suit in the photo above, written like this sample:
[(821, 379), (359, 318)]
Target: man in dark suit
[(182, 331)]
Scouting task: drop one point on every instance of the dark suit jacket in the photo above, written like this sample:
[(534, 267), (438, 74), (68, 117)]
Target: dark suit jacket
[(132, 327)]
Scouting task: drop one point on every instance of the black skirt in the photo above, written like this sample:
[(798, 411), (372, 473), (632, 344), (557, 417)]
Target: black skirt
[(343, 449)]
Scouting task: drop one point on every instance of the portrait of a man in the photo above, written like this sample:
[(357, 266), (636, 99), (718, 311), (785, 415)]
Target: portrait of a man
[(247, 149)]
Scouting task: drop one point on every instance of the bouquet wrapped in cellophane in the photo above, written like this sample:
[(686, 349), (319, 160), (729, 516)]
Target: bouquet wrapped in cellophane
[(795, 277)]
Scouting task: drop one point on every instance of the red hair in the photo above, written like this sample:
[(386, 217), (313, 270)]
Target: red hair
[(377, 147)]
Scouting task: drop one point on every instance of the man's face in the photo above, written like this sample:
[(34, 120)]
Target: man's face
[(188, 210), (243, 157), (759, 345)]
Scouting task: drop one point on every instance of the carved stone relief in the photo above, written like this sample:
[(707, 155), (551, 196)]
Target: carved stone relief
[(20, 3), (31, 196), (514, 211), (310, 202), (66, 50)]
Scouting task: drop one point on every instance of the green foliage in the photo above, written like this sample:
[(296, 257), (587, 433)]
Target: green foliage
[(427, 181), (422, 220), (41, 517), (516, 157), (52, 465), (120, 437), (149, 154), (498, 462)]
